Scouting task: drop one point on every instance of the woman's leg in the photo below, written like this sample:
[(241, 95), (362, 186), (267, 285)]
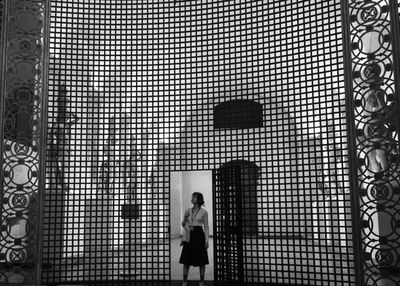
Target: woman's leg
[(202, 269), (185, 273)]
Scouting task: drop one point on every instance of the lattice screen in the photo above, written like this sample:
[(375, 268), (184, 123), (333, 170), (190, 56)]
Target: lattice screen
[(133, 87), (104, 207)]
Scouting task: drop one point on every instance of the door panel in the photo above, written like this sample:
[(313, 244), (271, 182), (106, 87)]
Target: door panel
[(236, 217), (228, 252)]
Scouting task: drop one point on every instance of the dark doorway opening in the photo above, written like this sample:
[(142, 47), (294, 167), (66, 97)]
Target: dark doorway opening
[(235, 216)]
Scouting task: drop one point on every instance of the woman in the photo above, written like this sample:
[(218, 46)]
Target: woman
[(194, 251)]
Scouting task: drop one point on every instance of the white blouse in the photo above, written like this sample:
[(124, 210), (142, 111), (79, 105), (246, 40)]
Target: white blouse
[(197, 218)]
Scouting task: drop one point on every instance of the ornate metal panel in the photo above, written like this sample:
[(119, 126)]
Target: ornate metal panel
[(374, 97), (22, 107)]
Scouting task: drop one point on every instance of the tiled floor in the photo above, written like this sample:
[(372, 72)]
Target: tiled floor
[(176, 271), (312, 264)]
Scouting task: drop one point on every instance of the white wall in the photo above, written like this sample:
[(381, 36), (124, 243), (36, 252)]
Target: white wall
[(176, 203), (183, 185), (198, 181)]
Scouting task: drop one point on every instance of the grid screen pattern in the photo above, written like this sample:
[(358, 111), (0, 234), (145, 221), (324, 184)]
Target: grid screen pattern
[(104, 211), (133, 89)]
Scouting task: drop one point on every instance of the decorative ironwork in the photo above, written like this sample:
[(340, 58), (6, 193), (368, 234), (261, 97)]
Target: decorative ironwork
[(22, 101), (377, 150)]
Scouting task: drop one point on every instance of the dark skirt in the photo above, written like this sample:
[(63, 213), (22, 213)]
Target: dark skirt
[(194, 253)]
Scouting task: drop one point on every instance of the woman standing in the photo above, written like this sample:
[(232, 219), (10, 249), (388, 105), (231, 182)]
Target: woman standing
[(194, 251)]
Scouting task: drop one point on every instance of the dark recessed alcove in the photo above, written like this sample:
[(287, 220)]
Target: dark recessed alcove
[(238, 114), (130, 211)]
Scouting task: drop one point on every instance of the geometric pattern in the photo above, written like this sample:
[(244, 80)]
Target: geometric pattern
[(22, 107), (375, 109), (133, 86)]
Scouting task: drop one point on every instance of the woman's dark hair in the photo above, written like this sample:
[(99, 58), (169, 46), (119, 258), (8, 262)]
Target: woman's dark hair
[(200, 198)]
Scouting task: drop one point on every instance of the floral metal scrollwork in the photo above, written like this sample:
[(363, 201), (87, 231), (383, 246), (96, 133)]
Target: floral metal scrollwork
[(376, 123), (22, 99)]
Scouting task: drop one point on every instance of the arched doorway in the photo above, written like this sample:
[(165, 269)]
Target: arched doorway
[(235, 216)]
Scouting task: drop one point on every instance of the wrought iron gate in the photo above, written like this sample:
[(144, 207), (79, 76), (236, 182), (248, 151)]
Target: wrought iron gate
[(235, 219), (131, 88), (228, 242)]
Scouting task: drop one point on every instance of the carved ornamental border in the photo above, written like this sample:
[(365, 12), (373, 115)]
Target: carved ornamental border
[(373, 107), (22, 106)]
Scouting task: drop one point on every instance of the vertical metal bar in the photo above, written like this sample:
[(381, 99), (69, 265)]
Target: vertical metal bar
[(351, 131), (239, 175), (43, 137), (215, 211), (3, 66), (169, 228), (395, 35)]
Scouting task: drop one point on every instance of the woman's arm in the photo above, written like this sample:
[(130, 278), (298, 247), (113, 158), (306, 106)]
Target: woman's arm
[(185, 218), (206, 228)]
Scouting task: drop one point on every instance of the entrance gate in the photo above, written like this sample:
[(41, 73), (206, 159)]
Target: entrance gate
[(101, 101), (235, 219)]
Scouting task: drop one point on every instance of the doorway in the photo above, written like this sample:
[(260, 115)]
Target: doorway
[(236, 217), (182, 186)]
